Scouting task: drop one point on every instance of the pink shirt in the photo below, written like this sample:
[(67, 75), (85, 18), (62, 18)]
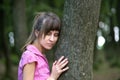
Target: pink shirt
[(32, 54)]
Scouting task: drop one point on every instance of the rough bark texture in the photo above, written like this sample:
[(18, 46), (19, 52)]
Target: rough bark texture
[(77, 38)]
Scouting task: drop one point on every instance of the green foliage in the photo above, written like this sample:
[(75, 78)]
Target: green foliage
[(108, 15), (33, 6)]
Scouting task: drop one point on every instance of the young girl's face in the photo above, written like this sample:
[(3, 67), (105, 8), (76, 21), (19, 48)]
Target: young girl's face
[(49, 40)]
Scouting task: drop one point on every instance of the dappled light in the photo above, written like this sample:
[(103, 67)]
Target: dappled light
[(100, 42), (11, 39), (116, 33)]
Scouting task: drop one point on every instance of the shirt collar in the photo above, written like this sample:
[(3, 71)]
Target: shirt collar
[(33, 49)]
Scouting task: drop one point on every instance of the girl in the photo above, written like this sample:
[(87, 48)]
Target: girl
[(33, 64)]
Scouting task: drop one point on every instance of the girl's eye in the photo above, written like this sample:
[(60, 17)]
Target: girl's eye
[(56, 34), (49, 33)]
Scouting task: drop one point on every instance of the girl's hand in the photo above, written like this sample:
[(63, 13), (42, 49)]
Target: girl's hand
[(59, 67)]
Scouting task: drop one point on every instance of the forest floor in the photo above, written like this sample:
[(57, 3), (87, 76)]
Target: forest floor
[(106, 73), (2, 72)]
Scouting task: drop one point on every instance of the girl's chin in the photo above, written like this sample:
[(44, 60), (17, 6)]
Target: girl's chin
[(48, 48)]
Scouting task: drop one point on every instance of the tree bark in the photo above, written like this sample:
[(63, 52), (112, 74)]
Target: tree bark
[(19, 16), (77, 38)]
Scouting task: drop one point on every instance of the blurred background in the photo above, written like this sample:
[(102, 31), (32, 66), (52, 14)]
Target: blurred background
[(16, 17)]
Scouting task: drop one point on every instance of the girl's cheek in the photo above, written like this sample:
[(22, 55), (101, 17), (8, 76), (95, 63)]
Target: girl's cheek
[(56, 39)]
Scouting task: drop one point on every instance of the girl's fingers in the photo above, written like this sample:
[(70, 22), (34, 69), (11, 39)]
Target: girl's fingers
[(62, 62), (61, 58), (55, 62), (60, 67), (64, 69)]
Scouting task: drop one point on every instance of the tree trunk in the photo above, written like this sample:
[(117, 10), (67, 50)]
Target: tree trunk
[(19, 17), (77, 38), (5, 45)]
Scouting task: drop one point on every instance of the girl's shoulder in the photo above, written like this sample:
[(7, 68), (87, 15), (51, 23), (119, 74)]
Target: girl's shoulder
[(28, 54), (28, 57)]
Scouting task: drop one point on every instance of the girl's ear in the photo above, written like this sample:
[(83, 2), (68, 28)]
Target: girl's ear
[(36, 33)]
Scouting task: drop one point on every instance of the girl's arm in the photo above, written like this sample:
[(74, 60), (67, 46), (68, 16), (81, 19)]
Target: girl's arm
[(28, 71)]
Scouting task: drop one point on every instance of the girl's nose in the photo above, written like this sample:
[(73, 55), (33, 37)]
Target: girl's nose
[(51, 38)]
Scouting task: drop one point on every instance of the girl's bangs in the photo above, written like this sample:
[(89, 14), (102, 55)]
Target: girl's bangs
[(50, 24)]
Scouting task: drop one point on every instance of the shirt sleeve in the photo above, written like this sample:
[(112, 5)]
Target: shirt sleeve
[(28, 57)]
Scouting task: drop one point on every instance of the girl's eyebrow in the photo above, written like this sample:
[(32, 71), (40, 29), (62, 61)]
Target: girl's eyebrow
[(54, 30)]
